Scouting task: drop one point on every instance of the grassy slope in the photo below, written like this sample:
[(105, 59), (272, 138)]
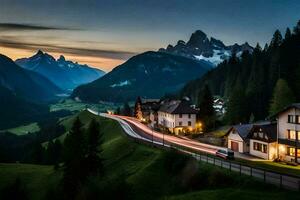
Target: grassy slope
[(230, 194), (36, 177), (140, 166), (24, 129)]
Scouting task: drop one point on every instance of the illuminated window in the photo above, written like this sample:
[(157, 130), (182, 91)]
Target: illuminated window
[(291, 151), (260, 147), (291, 135)]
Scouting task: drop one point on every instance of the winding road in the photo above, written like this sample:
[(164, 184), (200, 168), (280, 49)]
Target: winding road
[(138, 130)]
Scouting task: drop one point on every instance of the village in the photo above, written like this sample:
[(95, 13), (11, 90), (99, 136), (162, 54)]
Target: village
[(275, 139)]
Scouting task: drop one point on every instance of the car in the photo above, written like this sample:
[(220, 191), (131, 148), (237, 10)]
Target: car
[(227, 154)]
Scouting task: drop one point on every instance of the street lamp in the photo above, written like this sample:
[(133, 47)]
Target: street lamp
[(152, 134), (163, 138)]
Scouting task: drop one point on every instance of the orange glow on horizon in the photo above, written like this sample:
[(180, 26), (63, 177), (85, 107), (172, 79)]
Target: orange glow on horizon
[(105, 64)]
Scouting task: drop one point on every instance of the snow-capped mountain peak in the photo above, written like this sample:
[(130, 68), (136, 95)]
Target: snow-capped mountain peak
[(200, 47), (64, 73)]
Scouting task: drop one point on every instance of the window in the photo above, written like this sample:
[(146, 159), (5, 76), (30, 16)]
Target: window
[(180, 115), (180, 123), (290, 151), (261, 135), (264, 150), (255, 134), (189, 123), (189, 116), (291, 135), (260, 147), (297, 121), (291, 119)]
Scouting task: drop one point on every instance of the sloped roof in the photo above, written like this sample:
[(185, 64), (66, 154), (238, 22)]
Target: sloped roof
[(177, 107), (243, 130), (150, 100), (269, 129), (294, 105)]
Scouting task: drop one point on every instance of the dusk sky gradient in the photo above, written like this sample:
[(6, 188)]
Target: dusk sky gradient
[(105, 33)]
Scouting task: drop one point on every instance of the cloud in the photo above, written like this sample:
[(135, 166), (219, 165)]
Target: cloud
[(16, 43), (30, 27)]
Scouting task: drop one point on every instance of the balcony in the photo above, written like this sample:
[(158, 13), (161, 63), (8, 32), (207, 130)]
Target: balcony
[(289, 142)]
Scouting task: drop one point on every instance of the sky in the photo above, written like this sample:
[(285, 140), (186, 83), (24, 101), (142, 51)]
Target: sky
[(105, 33)]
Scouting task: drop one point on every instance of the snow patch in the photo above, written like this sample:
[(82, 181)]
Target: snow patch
[(121, 84), (218, 57)]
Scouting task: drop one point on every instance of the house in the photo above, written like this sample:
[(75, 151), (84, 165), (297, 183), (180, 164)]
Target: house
[(263, 141), (219, 106), (288, 128), (177, 116), (238, 138), (148, 106)]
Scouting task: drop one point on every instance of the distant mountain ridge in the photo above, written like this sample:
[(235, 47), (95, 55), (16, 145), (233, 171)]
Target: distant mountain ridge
[(24, 83), (200, 47), (150, 75), (65, 74), (23, 94)]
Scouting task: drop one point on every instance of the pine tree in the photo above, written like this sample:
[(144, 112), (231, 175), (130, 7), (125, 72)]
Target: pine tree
[(74, 154), (118, 111), (94, 142), (207, 112), (126, 110), (50, 153), (288, 34), (138, 109), (276, 40), (237, 107), (297, 28), (282, 96), (38, 153), (252, 118)]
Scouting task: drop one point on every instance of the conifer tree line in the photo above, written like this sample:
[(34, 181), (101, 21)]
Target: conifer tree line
[(256, 85), (81, 157)]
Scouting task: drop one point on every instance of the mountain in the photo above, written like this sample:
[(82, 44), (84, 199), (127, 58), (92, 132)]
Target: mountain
[(150, 75), (24, 83), (200, 47), (248, 83), (65, 74), (16, 110), (22, 94)]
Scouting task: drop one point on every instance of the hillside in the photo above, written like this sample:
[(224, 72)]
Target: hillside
[(25, 84), (248, 82), (150, 75), (136, 171), (65, 74), (15, 110)]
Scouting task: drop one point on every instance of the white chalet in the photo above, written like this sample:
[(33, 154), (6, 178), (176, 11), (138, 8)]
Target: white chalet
[(177, 116)]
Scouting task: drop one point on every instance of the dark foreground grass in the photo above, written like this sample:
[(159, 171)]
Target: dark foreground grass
[(136, 171)]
